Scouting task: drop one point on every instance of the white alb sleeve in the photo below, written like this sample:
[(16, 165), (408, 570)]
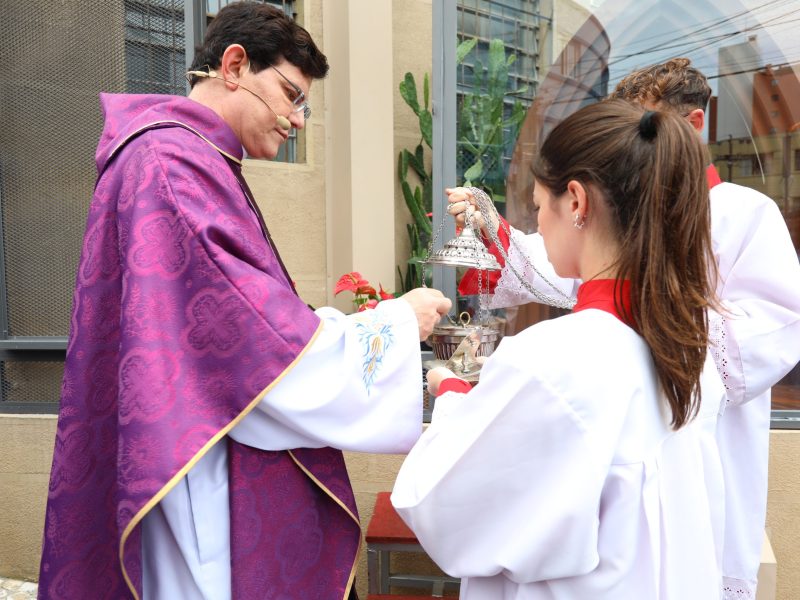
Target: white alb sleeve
[(755, 340), (358, 387), (524, 251)]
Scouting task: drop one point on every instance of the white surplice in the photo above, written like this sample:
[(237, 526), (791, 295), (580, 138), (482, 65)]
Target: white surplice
[(754, 345), (339, 394), (559, 478)]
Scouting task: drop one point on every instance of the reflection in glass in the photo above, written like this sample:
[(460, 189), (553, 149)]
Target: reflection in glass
[(569, 53)]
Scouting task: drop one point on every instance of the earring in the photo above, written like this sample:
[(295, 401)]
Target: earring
[(579, 221)]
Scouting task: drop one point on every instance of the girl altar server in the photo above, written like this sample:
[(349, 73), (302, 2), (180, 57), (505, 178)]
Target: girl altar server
[(584, 465)]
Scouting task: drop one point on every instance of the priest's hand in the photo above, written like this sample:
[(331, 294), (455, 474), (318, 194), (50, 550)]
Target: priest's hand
[(436, 376), (459, 199), (429, 306)]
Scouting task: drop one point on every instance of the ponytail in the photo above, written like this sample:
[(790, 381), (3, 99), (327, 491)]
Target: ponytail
[(650, 168)]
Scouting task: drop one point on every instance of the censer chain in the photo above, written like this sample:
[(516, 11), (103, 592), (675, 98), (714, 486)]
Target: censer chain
[(486, 206)]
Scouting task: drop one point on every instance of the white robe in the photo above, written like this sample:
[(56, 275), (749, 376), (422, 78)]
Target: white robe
[(558, 477), (753, 346), (330, 398)]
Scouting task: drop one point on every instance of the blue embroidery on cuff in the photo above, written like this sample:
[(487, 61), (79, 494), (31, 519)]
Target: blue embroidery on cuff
[(376, 337)]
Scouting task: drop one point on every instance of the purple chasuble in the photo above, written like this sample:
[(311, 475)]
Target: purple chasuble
[(183, 318)]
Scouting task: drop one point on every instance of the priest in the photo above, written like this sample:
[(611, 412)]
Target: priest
[(204, 405)]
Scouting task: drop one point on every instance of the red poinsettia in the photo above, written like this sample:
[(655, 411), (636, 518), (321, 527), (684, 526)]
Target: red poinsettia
[(384, 294), (365, 295), (354, 282)]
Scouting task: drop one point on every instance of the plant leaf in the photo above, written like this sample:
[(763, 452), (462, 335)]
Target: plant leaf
[(408, 90), (426, 127), (402, 165), (413, 203), (419, 162), (497, 55), (426, 90), (475, 171), (465, 48)]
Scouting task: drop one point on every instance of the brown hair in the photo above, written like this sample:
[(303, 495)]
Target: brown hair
[(267, 34), (649, 168), (674, 84)]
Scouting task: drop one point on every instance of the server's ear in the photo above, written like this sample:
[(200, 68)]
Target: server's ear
[(697, 119)]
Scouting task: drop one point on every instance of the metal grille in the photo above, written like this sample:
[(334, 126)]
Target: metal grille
[(34, 386), (155, 57), (58, 57)]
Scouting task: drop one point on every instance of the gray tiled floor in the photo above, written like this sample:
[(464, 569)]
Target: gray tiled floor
[(11, 589)]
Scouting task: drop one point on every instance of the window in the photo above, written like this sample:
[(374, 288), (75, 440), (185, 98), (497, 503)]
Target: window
[(502, 32), (155, 59), (581, 50)]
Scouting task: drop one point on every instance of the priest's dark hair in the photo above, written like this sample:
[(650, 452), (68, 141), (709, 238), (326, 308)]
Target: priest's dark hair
[(649, 167), (267, 34)]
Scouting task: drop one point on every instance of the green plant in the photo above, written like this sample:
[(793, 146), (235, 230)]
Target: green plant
[(418, 201), (483, 121)]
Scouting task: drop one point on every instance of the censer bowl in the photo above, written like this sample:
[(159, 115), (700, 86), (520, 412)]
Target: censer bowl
[(445, 339)]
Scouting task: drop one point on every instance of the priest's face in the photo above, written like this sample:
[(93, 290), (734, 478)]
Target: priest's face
[(557, 230), (278, 93)]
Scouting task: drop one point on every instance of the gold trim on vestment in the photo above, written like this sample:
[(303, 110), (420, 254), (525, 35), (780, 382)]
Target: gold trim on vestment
[(179, 124), (187, 467), (347, 510)]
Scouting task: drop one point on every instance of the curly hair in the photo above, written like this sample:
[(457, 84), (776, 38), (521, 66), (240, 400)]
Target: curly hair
[(674, 84)]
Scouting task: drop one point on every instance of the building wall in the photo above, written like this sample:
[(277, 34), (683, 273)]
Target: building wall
[(735, 95), (412, 32), (26, 450), (783, 510), (297, 202), (775, 109)]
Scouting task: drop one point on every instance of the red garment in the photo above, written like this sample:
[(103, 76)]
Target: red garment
[(454, 384), (610, 295), (469, 282), (712, 176)]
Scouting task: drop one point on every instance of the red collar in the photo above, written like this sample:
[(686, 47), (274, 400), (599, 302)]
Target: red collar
[(599, 294), (712, 176)]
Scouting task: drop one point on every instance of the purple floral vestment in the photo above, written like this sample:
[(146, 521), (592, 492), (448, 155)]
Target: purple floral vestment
[(182, 319)]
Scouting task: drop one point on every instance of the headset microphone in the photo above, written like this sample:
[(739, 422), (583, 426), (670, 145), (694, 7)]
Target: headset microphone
[(282, 121)]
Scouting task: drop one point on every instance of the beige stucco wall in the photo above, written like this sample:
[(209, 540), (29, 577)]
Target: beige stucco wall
[(26, 450), (412, 31), (783, 510), (359, 142), (568, 17)]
